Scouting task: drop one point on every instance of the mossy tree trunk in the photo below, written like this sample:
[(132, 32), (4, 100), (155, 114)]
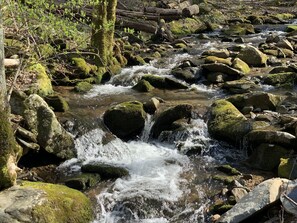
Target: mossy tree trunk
[(8, 145), (104, 17)]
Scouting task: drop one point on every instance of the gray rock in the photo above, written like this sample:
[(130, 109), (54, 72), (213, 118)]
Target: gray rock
[(223, 68), (260, 197), (51, 136), (224, 53), (238, 193), (252, 56), (126, 120)]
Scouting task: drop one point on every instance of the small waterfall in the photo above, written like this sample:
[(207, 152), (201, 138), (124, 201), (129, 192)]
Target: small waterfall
[(145, 135)]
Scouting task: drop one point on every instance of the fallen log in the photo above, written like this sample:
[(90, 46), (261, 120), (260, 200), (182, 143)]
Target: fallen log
[(162, 11), (190, 11), (143, 26), (11, 63)]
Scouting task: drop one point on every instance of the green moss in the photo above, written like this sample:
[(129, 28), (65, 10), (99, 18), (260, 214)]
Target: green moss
[(83, 66), (224, 179), (186, 26), (43, 85), (285, 168), (214, 59), (61, 205), (83, 87), (278, 79), (240, 65), (240, 29), (46, 50), (154, 80), (291, 28), (9, 149), (228, 170), (284, 16), (143, 86)]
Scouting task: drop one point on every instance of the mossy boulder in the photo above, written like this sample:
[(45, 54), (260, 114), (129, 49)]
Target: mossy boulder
[(143, 86), (187, 74), (223, 53), (240, 86), (186, 26), (267, 156), (232, 73), (252, 56), (214, 59), (83, 67), (106, 171), (285, 168), (82, 181), (226, 122), (240, 29), (281, 79), (240, 65), (44, 203), (51, 136), (83, 87), (291, 28), (126, 120), (164, 82), (42, 85), (58, 103), (165, 120)]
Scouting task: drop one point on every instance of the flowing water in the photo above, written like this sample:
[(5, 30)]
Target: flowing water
[(164, 185)]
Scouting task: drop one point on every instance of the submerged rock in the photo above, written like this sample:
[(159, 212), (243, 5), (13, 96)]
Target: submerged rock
[(106, 171), (126, 120), (42, 202), (51, 136), (260, 197), (165, 120)]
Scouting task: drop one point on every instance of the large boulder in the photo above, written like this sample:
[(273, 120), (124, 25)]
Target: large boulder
[(51, 136), (126, 120), (252, 56), (44, 203), (226, 122), (165, 120), (254, 202), (240, 86)]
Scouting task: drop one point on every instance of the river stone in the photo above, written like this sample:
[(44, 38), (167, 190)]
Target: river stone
[(252, 56), (224, 53), (187, 74), (143, 86), (256, 137), (277, 79), (226, 122), (259, 100), (163, 82), (223, 68), (240, 65), (267, 156), (238, 193), (106, 171), (214, 59), (216, 77), (82, 181), (287, 168), (165, 120), (151, 106), (126, 120), (263, 195), (240, 86), (41, 202), (285, 44), (51, 136)]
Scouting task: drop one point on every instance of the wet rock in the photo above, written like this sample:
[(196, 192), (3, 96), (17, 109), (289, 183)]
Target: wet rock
[(256, 137), (83, 87), (106, 171), (151, 106), (279, 79), (226, 122), (238, 193), (187, 74), (240, 29), (240, 86), (58, 103), (289, 198), (284, 44), (252, 56), (281, 69), (82, 181), (222, 68), (267, 156), (263, 195), (41, 202), (165, 120), (143, 86), (164, 82), (51, 136), (259, 100), (224, 53), (214, 59), (240, 65), (17, 102), (228, 170), (125, 120), (287, 168)]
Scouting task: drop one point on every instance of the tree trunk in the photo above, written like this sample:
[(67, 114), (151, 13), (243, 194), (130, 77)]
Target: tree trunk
[(8, 145), (104, 17)]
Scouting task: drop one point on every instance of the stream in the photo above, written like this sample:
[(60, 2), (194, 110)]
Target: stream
[(164, 185)]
